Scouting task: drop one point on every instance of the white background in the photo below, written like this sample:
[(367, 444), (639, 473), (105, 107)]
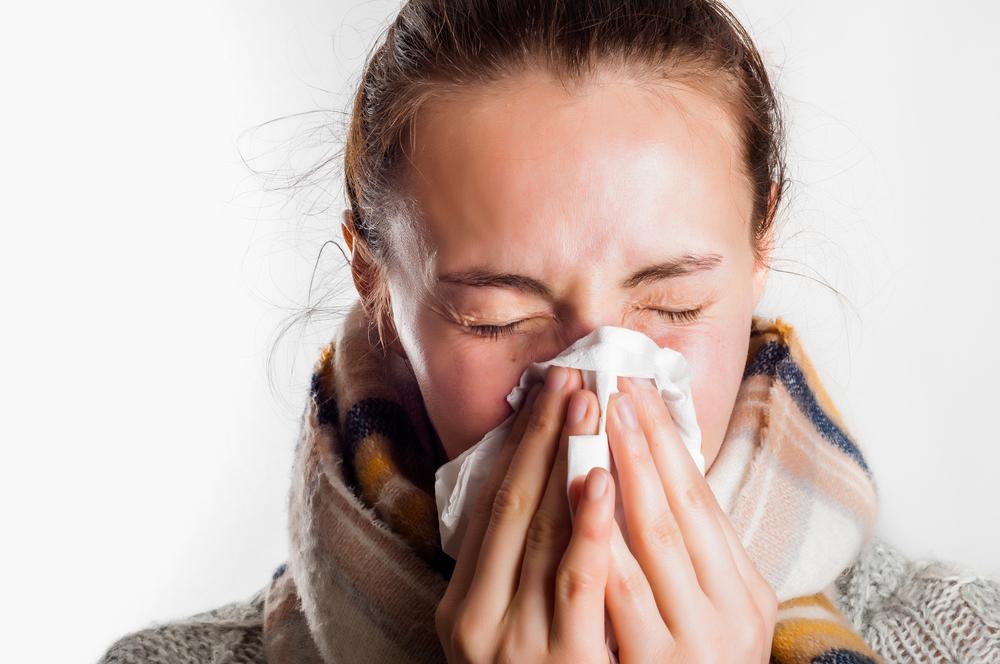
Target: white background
[(144, 274)]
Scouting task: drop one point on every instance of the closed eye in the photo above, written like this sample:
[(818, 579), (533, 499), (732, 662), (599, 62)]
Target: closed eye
[(494, 332)]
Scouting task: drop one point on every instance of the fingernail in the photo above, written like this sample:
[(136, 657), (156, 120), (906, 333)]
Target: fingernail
[(597, 483), (577, 408), (626, 412), (555, 378)]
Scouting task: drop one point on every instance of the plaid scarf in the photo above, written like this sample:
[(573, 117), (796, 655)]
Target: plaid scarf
[(365, 569)]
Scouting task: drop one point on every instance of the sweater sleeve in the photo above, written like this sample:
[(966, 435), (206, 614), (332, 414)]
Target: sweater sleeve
[(920, 610), (229, 634)]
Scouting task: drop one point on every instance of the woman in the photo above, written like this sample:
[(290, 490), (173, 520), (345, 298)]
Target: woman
[(518, 174)]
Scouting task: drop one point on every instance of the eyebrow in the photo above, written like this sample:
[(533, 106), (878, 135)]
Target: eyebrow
[(675, 266)]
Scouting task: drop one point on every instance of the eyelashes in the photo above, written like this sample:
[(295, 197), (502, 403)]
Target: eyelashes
[(680, 316), (494, 332)]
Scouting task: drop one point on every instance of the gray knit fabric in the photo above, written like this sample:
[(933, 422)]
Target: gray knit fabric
[(229, 634), (920, 610), (906, 610)]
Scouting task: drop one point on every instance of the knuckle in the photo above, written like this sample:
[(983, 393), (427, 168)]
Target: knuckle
[(540, 423), (661, 533), (631, 584), (592, 530), (468, 643), (464, 649), (508, 502), (573, 584), (544, 532), (696, 497)]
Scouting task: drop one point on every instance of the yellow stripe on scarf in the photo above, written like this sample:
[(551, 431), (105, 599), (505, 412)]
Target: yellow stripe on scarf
[(809, 626)]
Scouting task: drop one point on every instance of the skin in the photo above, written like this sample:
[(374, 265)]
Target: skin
[(577, 192), (525, 589)]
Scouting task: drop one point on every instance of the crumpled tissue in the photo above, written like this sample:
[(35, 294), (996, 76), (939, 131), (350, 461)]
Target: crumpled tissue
[(602, 356)]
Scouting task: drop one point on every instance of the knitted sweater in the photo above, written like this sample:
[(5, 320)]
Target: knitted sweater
[(907, 610)]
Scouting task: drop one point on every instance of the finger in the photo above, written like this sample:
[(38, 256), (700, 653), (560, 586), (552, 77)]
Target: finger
[(639, 627), (761, 591), (551, 527), (468, 552), (690, 497), (654, 535), (578, 611), (516, 501)]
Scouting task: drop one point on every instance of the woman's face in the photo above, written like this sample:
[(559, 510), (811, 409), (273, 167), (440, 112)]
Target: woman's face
[(555, 213)]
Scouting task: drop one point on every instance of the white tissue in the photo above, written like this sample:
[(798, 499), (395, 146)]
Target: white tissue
[(602, 356)]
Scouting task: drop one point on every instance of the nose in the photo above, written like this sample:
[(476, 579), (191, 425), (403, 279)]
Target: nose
[(576, 327)]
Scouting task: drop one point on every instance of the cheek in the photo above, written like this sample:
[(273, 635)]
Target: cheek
[(466, 391), (463, 380), (717, 359)]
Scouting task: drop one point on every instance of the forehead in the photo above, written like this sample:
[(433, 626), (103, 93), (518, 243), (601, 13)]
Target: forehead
[(616, 168)]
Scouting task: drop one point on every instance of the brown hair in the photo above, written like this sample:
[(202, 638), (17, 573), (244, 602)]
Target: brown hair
[(439, 46)]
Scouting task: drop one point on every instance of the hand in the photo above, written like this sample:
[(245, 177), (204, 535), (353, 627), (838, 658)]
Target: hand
[(528, 584), (690, 592)]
